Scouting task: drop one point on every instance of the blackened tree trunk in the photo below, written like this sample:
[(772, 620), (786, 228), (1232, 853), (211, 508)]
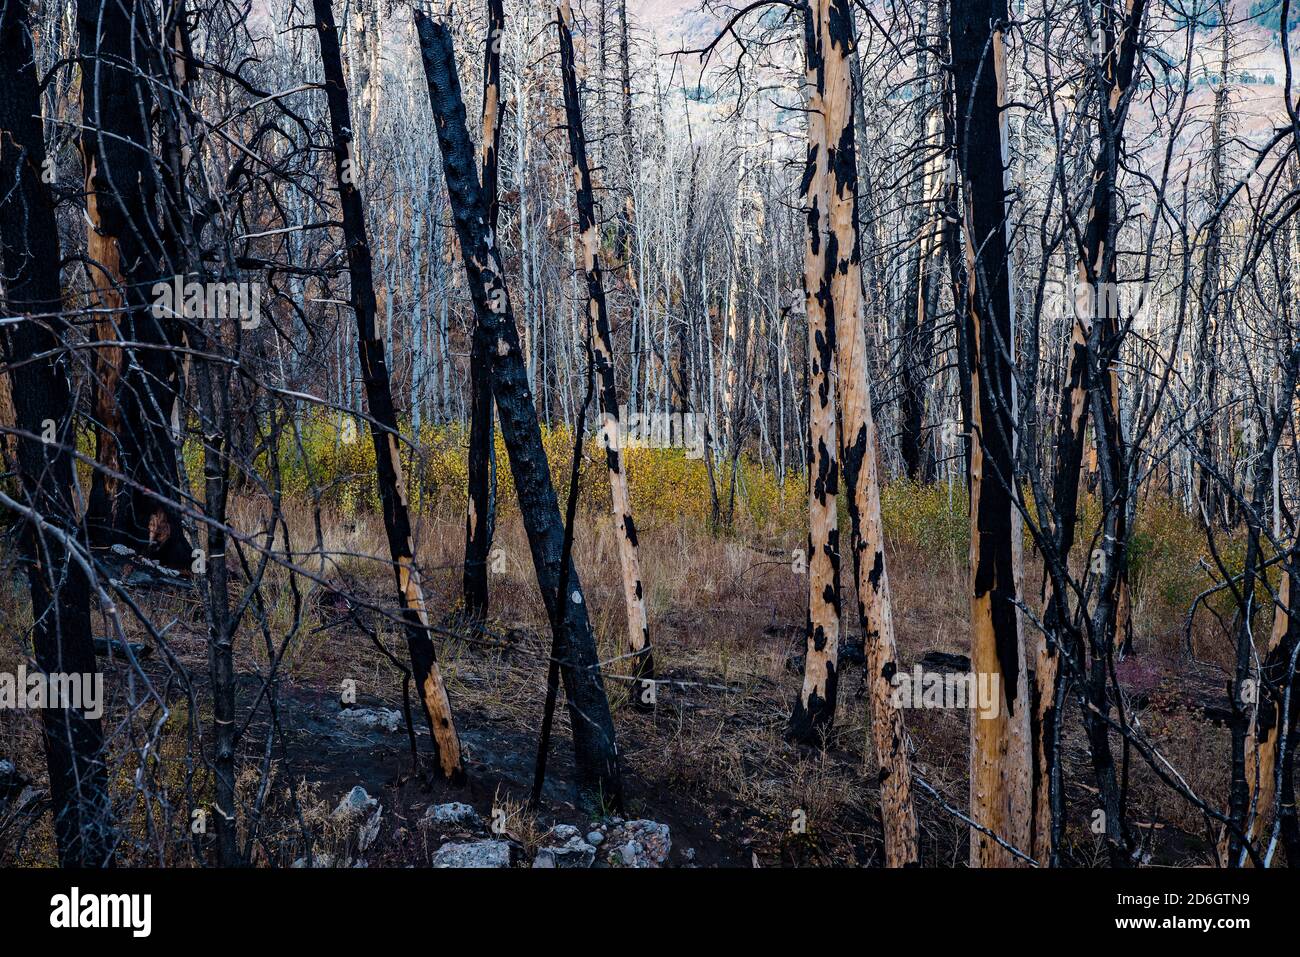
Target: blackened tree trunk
[(627, 218), (916, 320), (481, 517), (136, 386), (383, 418), (39, 379), (1000, 744), (1096, 272), (602, 344), (595, 750)]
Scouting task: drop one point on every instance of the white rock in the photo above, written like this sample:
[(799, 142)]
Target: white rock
[(384, 718), (355, 803), (574, 853), (476, 854), (367, 832), (638, 844), (453, 814)]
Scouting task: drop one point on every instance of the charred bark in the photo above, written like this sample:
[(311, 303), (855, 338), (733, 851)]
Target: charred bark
[(595, 749), (136, 386), (858, 433), (480, 521), (39, 378), (1000, 744), (383, 417), (602, 344)]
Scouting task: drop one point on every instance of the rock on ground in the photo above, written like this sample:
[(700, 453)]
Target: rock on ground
[(637, 844), (568, 849), (385, 718), (476, 854), (355, 802), (449, 815)]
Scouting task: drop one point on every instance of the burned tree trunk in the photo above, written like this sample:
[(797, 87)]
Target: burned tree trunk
[(1266, 723), (602, 343), (999, 755), (814, 709), (39, 378), (595, 750), (858, 431), (383, 418), (137, 385), (916, 319), (627, 218), (1096, 273), (480, 520)]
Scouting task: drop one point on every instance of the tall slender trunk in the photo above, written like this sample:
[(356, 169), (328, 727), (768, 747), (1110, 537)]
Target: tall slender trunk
[(814, 709), (379, 400), (602, 343), (627, 218), (1096, 272), (1000, 744), (858, 432), (595, 749), (480, 520), (914, 349), (39, 380)]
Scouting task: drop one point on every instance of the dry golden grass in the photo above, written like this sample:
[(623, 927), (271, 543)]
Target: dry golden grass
[(726, 612)]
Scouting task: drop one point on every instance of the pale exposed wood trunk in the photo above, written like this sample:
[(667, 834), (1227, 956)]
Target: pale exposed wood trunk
[(601, 334), (858, 432), (814, 709)]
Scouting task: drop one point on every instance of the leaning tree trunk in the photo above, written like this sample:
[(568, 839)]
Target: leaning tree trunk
[(383, 418), (43, 407), (595, 750), (858, 430), (638, 628), (137, 386), (481, 517), (814, 709), (999, 755)]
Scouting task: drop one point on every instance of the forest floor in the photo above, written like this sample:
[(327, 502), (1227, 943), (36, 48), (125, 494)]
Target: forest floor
[(710, 760)]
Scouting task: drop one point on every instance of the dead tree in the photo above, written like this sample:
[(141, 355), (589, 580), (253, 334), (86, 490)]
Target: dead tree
[(595, 749), (814, 709), (383, 417), (136, 384), (843, 265), (602, 344), (1096, 273), (480, 520), (38, 361), (1000, 744)]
